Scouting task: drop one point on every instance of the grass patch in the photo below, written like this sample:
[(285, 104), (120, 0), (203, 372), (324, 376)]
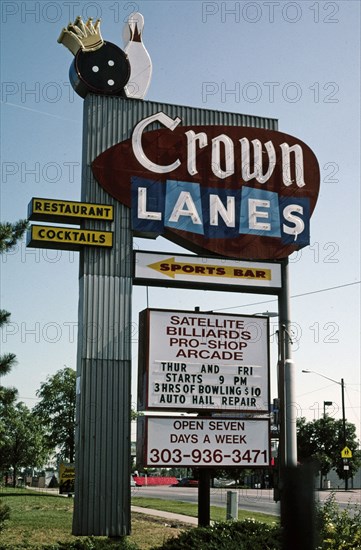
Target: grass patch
[(189, 509), (37, 518), (151, 531)]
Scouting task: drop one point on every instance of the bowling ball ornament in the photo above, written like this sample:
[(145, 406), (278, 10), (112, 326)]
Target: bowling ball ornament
[(98, 67), (105, 71)]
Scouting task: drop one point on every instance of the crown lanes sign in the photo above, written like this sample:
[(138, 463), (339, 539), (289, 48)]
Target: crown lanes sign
[(240, 192)]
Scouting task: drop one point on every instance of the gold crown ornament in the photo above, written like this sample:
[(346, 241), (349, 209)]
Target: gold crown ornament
[(82, 36)]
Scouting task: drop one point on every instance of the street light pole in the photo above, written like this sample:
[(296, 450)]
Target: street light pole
[(326, 404), (342, 384), (344, 425), (343, 409)]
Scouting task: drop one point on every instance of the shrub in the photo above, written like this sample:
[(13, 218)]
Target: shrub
[(236, 535), (339, 529), (4, 514)]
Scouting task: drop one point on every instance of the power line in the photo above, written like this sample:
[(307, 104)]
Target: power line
[(294, 296), (34, 110), (325, 289)]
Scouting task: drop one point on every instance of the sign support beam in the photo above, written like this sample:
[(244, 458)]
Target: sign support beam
[(289, 475), (288, 438), (204, 498), (204, 491), (102, 458)]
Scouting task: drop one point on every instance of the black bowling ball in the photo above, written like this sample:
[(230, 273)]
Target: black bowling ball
[(105, 71)]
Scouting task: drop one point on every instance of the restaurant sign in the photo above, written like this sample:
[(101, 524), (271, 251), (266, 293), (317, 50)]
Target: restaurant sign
[(67, 212)]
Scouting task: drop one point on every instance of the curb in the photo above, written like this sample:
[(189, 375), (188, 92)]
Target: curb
[(166, 515)]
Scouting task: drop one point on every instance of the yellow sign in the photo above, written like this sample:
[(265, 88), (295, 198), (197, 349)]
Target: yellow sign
[(171, 268), (67, 238), (66, 478), (67, 211), (346, 453)]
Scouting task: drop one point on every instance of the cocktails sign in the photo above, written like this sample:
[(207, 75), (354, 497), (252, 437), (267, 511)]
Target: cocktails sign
[(234, 191)]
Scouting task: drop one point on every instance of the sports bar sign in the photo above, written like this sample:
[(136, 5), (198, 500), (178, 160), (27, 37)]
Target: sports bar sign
[(202, 361), (161, 269)]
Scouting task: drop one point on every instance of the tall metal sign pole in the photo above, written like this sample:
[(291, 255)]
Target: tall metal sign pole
[(288, 439), (295, 484), (102, 496)]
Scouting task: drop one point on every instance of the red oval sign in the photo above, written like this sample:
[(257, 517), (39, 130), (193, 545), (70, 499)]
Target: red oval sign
[(240, 192)]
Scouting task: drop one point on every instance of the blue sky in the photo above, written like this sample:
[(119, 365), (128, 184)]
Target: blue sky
[(298, 62)]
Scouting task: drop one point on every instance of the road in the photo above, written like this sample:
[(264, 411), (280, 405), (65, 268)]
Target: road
[(248, 499), (254, 500)]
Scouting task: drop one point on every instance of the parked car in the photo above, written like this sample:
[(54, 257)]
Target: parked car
[(218, 482), (133, 482), (186, 482)]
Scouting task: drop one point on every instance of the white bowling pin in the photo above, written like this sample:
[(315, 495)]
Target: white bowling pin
[(139, 59)]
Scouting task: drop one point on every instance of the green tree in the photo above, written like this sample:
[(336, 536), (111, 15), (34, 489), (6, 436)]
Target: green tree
[(56, 411), (321, 441), (10, 233), (351, 442), (7, 361), (23, 443)]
